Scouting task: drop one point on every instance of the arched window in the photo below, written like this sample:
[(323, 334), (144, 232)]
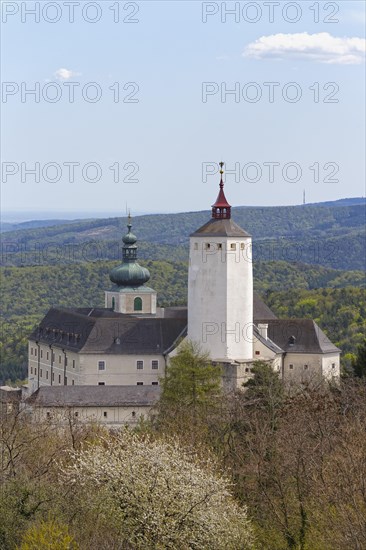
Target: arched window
[(113, 303), (137, 304)]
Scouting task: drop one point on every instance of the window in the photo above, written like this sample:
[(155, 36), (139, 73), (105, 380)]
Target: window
[(233, 246), (219, 246), (65, 361), (137, 304), (53, 377), (257, 352), (154, 364), (101, 365), (31, 351), (154, 383), (73, 363), (59, 358), (35, 352), (46, 374), (113, 302), (333, 365), (47, 356), (59, 378), (31, 370), (101, 383), (105, 414), (133, 414), (291, 366), (41, 353), (72, 382), (139, 365), (65, 380), (35, 370), (40, 373), (207, 246), (140, 383), (247, 369), (48, 415), (306, 367), (76, 414), (242, 245)]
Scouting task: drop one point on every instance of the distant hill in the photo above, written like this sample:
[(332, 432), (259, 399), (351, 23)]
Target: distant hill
[(331, 236), (32, 224), (341, 202)]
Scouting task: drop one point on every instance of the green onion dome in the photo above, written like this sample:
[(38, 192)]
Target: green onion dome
[(129, 273)]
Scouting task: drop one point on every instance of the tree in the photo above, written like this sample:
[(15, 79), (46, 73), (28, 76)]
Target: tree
[(359, 363), (191, 388), (155, 495), (265, 389), (48, 535)]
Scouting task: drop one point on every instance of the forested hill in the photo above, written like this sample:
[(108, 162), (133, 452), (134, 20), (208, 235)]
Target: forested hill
[(331, 236)]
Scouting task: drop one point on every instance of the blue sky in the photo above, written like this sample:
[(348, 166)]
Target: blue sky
[(164, 141)]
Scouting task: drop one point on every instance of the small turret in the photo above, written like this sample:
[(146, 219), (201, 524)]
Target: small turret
[(131, 294)]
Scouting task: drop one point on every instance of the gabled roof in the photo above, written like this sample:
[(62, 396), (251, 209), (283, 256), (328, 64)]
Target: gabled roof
[(260, 309), (298, 336), (94, 396), (268, 343), (220, 228), (104, 331)]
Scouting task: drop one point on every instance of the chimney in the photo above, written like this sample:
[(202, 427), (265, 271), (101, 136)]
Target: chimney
[(263, 330)]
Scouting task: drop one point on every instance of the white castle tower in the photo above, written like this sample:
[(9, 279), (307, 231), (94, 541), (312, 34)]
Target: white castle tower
[(220, 286)]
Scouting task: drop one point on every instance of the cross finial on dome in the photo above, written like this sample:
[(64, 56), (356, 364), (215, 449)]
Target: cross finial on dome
[(221, 209)]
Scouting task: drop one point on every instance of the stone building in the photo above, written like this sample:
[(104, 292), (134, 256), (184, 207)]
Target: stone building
[(129, 342)]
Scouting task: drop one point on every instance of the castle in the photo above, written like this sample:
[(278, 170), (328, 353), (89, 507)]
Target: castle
[(106, 363)]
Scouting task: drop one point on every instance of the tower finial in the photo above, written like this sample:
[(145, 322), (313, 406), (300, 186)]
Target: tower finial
[(221, 209), (221, 164)]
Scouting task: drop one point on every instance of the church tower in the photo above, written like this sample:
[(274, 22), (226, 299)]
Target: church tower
[(220, 286), (130, 295)]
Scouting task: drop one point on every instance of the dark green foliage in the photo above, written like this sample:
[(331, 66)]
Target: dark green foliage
[(331, 236), (28, 292), (359, 363), (191, 380), (340, 312)]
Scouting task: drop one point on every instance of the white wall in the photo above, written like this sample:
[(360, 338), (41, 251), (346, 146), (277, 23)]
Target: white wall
[(83, 369), (220, 296), (108, 416)]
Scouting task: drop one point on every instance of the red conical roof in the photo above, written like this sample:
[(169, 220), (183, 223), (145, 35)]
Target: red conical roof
[(221, 209), (221, 201)]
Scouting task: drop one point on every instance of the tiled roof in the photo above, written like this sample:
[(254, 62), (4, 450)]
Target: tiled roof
[(95, 396), (220, 228), (298, 336), (103, 331)]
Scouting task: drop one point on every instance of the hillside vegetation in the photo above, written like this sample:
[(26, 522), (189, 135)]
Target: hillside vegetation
[(330, 236), (292, 290)]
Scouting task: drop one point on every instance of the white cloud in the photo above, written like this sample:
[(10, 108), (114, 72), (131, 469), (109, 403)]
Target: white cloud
[(65, 74), (321, 47)]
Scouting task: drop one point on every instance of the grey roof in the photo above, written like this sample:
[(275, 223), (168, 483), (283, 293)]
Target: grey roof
[(260, 309), (94, 396), (220, 228), (104, 331), (268, 343), (308, 337)]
